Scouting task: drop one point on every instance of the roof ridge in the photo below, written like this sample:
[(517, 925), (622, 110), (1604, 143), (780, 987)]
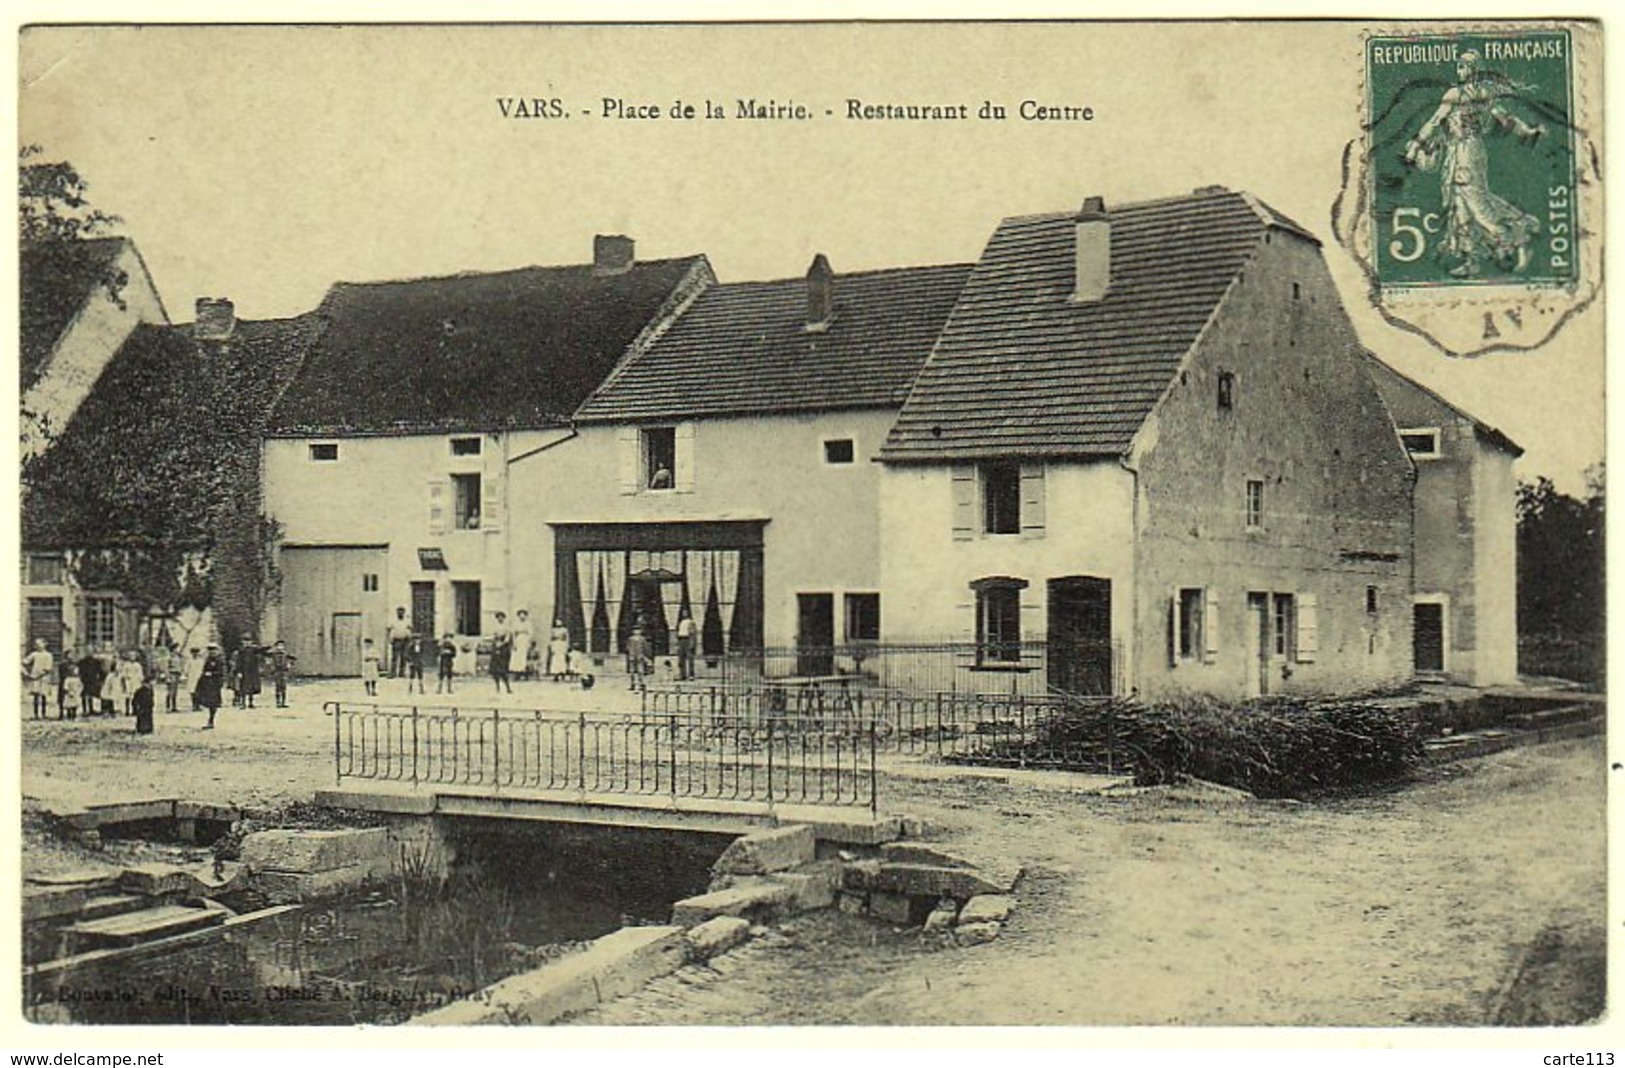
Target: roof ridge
[(475, 273), (869, 272), (1488, 429)]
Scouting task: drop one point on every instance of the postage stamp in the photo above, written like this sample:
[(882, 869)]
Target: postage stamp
[(1472, 159)]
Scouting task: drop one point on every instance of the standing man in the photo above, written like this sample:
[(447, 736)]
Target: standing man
[(685, 645), (399, 635), (501, 648)]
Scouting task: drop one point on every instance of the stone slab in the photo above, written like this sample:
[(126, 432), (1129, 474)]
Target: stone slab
[(612, 966), (846, 826), (893, 908), (751, 902), (111, 905), (133, 811), (377, 801), (929, 880), (88, 878), (975, 934), (765, 852), (158, 880), (207, 810), (145, 925), (717, 935), (288, 887), (50, 902), (986, 908), (318, 851), (920, 853)]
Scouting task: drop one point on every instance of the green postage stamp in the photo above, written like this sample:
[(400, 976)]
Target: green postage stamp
[(1471, 156)]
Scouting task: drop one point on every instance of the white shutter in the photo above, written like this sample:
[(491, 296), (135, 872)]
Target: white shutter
[(684, 480), (1175, 631), (627, 444), (1032, 500), (964, 487), (491, 506), (1210, 626), (1308, 628), (439, 486)]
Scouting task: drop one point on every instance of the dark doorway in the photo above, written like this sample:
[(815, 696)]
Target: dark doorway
[(815, 634), (1428, 636), (1080, 635), (647, 608), (423, 621)]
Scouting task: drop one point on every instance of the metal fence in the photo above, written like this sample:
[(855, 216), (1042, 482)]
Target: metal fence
[(1032, 668), (1019, 730), (672, 752)]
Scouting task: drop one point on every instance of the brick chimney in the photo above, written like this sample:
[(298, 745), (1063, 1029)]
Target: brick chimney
[(216, 319), (1093, 254), (820, 293), (612, 254)]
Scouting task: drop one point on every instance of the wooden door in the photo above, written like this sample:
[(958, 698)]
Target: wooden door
[(1079, 638), (815, 634), (1428, 636)]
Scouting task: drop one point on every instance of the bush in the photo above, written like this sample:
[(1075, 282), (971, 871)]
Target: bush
[(1281, 747)]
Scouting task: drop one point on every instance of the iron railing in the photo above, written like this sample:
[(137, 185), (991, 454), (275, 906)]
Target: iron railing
[(767, 760), (1057, 730), (1033, 668)]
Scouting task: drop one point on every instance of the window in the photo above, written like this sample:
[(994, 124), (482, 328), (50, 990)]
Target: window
[(44, 571), (998, 620), (1297, 291), (1281, 631), (1371, 599), (324, 452), (1255, 504), (1421, 444), (101, 619), (1227, 390), (1191, 613), (466, 504), (465, 446), (659, 449), (838, 451), (863, 617), (1001, 498), (369, 582), (466, 601)]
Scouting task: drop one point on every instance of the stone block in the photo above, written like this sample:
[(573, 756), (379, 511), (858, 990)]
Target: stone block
[(317, 851), (919, 853), (811, 889), (859, 874), (160, 880), (768, 851), (852, 904), (49, 902), (751, 901), (612, 966), (206, 810), (942, 917), (974, 934), (893, 908), (287, 887), (715, 936), (986, 908), (930, 880)]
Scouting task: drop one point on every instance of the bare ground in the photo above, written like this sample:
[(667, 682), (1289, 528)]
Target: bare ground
[(1476, 896)]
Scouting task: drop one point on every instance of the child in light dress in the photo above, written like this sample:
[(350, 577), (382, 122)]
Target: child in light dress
[(369, 667)]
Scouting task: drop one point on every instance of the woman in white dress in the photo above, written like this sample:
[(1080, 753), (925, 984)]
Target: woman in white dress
[(558, 652), (519, 652)]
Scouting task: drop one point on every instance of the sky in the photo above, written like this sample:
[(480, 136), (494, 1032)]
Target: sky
[(265, 163)]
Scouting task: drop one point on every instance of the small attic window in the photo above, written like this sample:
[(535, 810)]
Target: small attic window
[(1227, 390), (324, 452), (465, 446), (1422, 444)]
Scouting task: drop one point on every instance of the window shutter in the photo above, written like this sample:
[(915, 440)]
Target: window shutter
[(1032, 500), (684, 481), (1175, 631), (1308, 628), (1210, 626), (964, 484), (438, 487), (491, 507), (627, 443)]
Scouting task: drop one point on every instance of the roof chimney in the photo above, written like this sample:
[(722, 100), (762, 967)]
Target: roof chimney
[(612, 254), (1093, 253), (820, 293), (216, 319)]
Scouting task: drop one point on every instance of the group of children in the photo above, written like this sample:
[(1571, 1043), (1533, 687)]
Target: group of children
[(104, 682), (510, 654)]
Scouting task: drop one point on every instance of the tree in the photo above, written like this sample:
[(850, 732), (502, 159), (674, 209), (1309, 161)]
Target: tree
[(1561, 565), (52, 203)]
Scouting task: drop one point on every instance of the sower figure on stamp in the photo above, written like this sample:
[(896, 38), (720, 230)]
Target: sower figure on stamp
[(1478, 224)]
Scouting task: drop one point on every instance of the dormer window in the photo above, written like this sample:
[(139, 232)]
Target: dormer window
[(1421, 443)]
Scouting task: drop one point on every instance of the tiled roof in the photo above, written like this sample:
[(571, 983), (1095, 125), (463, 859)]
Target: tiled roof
[(518, 348), (167, 412), (55, 280), (1022, 369), (745, 348), (1389, 380)]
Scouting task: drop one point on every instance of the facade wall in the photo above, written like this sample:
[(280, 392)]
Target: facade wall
[(822, 532), (1496, 568), (1332, 530), (84, 349), (926, 572), (396, 493)]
